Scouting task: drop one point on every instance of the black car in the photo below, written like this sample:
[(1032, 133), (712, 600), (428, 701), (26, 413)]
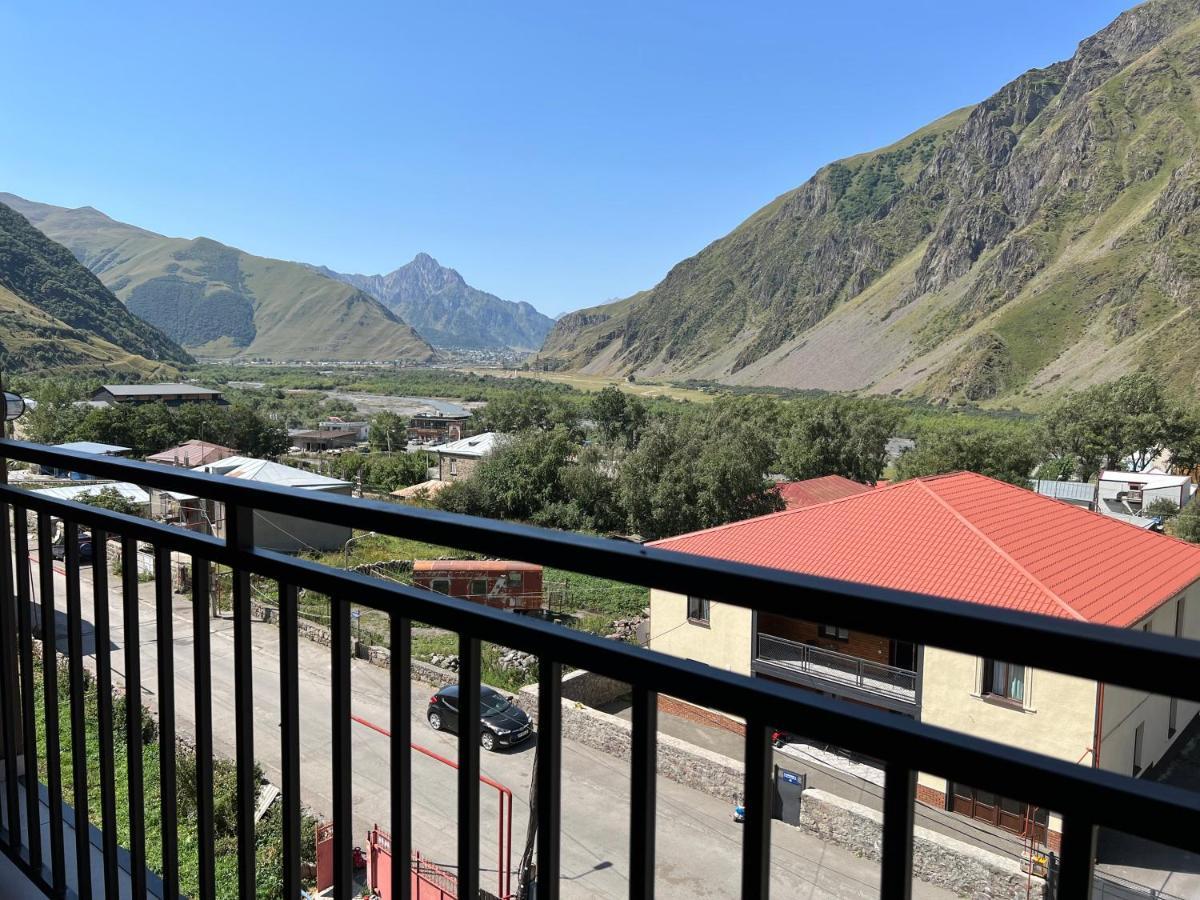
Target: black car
[(502, 723), (59, 549)]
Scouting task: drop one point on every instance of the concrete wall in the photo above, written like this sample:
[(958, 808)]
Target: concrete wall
[(1124, 709), (1057, 717), (725, 643)]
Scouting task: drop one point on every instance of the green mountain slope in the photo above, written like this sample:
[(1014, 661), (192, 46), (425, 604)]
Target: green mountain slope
[(1041, 240), (448, 312), (54, 313), (222, 302)]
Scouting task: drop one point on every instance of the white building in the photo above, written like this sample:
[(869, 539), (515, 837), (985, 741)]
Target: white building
[(1123, 495), (273, 531)]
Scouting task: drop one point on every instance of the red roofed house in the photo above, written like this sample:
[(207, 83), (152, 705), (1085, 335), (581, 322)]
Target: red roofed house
[(797, 494), (965, 537)]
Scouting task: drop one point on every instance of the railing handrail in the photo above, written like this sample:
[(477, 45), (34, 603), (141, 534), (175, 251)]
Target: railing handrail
[(815, 650), (1087, 797), (1134, 659)]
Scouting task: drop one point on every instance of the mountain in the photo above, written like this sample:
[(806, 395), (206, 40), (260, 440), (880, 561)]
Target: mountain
[(55, 314), (219, 301), (1041, 240), (448, 312)]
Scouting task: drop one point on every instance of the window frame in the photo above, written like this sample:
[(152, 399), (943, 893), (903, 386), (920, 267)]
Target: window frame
[(988, 679), (833, 632), (434, 582), (703, 609), (475, 583)]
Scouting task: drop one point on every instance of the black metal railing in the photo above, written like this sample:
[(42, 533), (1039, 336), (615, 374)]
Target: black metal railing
[(843, 668), (1086, 798)]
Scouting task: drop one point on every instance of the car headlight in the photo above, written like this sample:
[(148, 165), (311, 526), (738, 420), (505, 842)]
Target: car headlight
[(495, 729)]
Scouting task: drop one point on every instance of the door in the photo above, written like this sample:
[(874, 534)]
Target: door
[(450, 712), (904, 655)]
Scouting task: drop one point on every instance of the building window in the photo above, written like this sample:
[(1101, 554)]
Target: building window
[(479, 587), (1003, 680), (516, 582), (441, 585), (454, 467), (698, 610), (1137, 748), (832, 631)]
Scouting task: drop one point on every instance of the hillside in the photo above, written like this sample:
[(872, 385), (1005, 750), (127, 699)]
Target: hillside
[(1041, 240), (55, 314), (448, 312), (219, 301)]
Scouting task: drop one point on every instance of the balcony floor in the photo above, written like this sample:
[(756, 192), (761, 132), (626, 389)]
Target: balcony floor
[(837, 676)]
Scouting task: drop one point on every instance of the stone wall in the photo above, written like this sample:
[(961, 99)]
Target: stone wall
[(591, 689), (937, 859)]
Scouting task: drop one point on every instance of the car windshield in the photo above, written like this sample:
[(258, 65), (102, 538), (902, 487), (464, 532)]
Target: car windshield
[(491, 703)]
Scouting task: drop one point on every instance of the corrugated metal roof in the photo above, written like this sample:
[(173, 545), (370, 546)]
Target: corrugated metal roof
[(1065, 490), (269, 472), (968, 537), (93, 447), (478, 445), (130, 492), (797, 494), (192, 453), (472, 565), (153, 390)]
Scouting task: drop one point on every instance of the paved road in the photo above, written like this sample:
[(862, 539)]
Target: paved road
[(698, 845)]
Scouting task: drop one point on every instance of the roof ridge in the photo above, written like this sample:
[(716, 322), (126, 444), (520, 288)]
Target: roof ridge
[(783, 512), (1004, 554)]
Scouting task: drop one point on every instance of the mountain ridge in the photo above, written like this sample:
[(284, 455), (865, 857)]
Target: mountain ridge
[(220, 301), (437, 301), (1036, 241), (55, 314)]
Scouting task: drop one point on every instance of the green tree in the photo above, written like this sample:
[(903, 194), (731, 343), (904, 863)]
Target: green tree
[(1127, 419), (999, 452), (1186, 525), (388, 431), (839, 436), (112, 499), (1163, 507), (619, 417)]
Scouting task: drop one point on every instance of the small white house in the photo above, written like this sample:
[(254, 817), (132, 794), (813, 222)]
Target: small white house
[(1125, 494), (272, 531)]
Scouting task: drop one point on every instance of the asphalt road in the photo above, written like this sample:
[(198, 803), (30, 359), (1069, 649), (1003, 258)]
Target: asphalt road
[(698, 844)]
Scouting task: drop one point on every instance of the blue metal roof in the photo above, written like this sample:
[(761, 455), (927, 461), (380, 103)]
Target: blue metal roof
[(1082, 491), (93, 447)]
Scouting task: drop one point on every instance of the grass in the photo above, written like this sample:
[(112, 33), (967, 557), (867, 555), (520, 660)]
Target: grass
[(597, 601), (593, 383), (268, 831)]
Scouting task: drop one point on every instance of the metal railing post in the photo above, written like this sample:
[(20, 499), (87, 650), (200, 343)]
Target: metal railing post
[(239, 537)]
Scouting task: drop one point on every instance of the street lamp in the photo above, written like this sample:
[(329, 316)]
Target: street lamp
[(14, 406), (353, 538)]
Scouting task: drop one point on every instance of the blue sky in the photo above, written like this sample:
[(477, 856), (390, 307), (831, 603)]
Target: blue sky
[(564, 153)]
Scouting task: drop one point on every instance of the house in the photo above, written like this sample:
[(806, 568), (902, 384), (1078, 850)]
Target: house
[(965, 537), (501, 584), (797, 494), (320, 441), (273, 531), (1124, 495), (459, 458), (438, 427), (361, 430), (92, 447), (171, 394), (190, 454)]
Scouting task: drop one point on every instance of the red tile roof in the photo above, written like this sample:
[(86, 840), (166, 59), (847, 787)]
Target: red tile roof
[(192, 453), (968, 537), (798, 494)]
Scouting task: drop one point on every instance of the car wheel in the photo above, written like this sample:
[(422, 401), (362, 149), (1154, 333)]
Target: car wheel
[(435, 721), (487, 741)]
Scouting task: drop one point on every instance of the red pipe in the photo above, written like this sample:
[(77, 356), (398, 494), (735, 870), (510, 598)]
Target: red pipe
[(503, 869)]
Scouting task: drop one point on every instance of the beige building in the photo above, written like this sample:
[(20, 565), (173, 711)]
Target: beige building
[(943, 536)]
